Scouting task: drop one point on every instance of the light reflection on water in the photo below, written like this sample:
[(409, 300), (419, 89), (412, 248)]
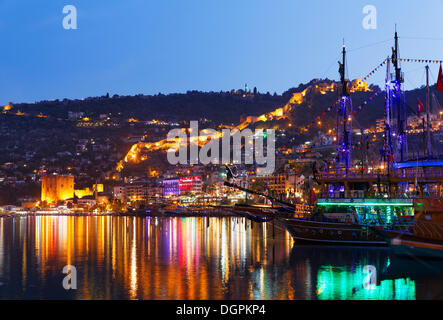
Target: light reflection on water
[(191, 258)]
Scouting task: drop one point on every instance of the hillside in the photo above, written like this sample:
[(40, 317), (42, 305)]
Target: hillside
[(298, 106)]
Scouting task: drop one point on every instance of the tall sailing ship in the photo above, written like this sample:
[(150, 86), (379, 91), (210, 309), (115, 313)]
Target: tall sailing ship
[(373, 206)]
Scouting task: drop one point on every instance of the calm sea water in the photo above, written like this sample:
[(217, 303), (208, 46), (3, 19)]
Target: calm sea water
[(195, 258)]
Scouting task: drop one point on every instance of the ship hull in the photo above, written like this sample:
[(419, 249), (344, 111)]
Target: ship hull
[(413, 246), (337, 234)]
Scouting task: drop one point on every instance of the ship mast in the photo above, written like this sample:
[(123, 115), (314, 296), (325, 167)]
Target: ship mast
[(344, 119), (386, 151), (399, 107), (428, 123)]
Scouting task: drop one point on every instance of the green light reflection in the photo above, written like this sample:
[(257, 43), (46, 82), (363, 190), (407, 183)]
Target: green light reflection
[(339, 283)]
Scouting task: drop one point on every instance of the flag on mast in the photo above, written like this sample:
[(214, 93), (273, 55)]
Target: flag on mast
[(420, 107), (440, 80)]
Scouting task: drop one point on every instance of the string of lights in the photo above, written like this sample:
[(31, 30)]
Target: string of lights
[(331, 132), (330, 108), (421, 60), (373, 71)]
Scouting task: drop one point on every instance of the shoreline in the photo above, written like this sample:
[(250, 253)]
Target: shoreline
[(152, 214)]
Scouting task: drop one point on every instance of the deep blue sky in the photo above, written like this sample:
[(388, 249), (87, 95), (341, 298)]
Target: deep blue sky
[(150, 46)]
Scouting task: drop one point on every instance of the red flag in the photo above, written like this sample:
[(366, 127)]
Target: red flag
[(419, 107), (440, 80)]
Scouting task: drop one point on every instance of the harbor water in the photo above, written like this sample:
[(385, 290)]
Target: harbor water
[(195, 258)]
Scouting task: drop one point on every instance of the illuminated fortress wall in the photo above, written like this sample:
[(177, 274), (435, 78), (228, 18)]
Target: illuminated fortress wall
[(80, 193), (357, 85), (57, 187)]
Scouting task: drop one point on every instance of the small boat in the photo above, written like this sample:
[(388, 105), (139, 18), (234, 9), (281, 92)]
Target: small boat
[(426, 238), (174, 212), (143, 212)]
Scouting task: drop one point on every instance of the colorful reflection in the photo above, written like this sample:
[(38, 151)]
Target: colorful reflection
[(340, 283), (192, 258), (142, 258), (345, 273)]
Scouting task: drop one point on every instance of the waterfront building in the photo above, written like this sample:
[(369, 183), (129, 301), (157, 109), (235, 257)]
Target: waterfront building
[(136, 192), (191, 184), (171, 187), (154, 192), (276, 183), (86, 202), (182, 186), (119, 192)]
